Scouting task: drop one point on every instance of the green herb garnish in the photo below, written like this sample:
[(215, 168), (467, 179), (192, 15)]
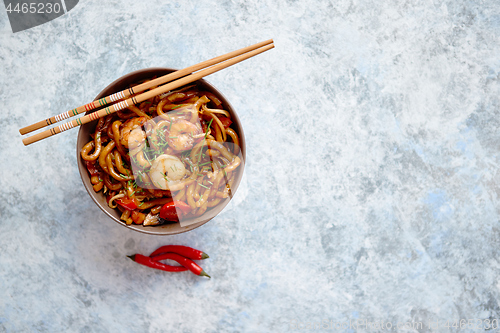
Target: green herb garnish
[(208, 127)]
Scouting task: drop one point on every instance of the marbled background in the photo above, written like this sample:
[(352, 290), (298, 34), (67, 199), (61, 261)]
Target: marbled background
[(371, 184)]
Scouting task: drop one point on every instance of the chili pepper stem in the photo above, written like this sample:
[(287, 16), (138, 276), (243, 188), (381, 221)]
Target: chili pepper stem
[(204, 256), (132, 257), (203, 273)]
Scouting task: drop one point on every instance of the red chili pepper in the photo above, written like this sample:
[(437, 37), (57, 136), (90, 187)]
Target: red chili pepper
[(147, 261), (92, 168), (225, 121), (127, 203), (188, 263), (184, 251), (169, 211)]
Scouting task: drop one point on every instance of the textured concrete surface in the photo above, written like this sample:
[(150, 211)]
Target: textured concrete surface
[(371, 185)]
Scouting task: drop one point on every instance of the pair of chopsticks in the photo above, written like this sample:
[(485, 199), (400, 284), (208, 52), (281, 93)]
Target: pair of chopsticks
[(165, 83)]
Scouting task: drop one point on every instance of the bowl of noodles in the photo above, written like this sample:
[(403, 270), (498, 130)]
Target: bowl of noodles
[(168, 164)]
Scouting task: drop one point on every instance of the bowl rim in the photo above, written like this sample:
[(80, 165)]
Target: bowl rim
[(155, 230)]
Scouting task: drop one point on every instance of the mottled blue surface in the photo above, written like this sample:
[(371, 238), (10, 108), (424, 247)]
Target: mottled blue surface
[(371, 181)]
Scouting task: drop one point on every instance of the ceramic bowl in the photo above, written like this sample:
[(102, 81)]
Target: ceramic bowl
[(100, 199)]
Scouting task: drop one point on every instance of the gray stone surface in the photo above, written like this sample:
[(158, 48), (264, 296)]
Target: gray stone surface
[(371, 184)]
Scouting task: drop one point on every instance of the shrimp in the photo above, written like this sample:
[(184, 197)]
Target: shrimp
[(131, 134), (165, 169), (182, 135)]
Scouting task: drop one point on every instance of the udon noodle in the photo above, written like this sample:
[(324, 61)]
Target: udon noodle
[(172, 157)]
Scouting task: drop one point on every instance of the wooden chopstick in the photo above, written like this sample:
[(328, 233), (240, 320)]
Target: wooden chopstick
[(142, 97), (139, 88)]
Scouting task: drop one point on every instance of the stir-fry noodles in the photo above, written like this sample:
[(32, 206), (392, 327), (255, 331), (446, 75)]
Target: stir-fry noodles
[(170, 158)]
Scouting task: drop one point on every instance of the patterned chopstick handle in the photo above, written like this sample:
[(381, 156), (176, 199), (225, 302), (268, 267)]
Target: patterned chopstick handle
[(64, 115), (77, 122), (64, 127), (90, 117), (117, 96), (68, 114)]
